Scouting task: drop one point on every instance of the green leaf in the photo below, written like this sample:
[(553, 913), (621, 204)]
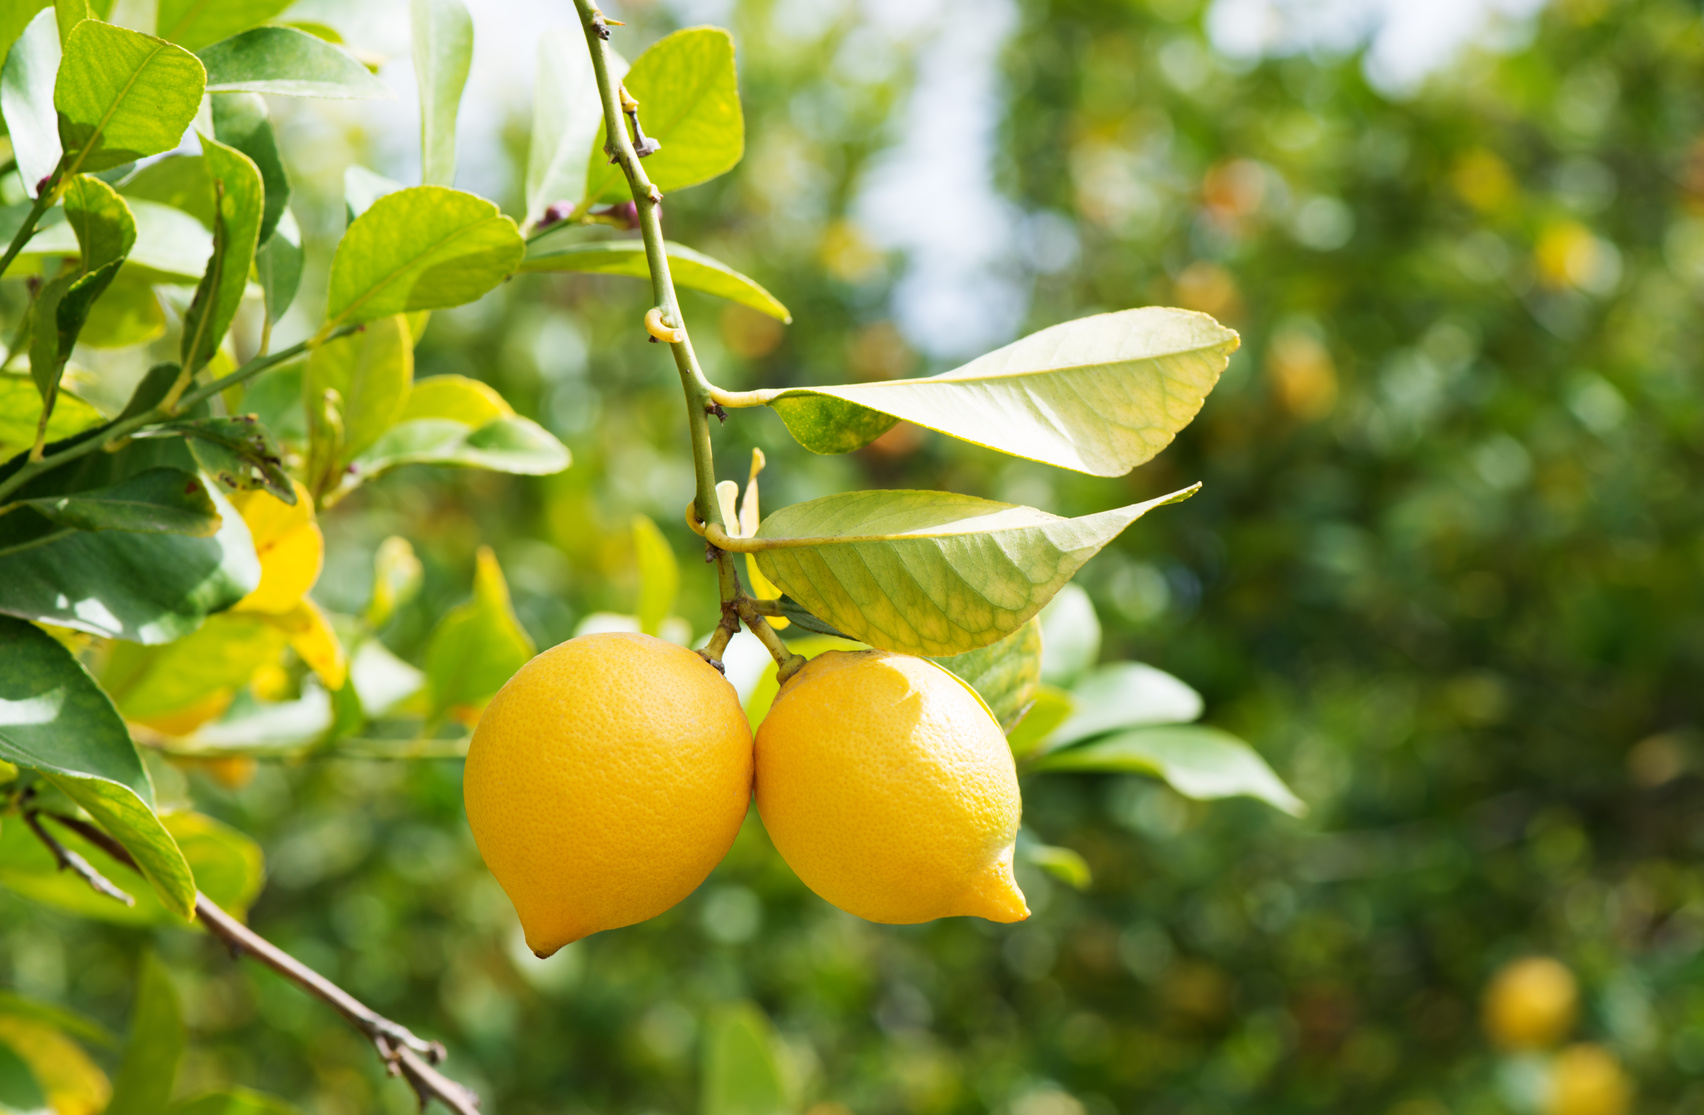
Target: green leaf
[(1006, 673), (1063, 864), (164, 500), (180, 181), (477, 646), (659, 575), (371, 371), (171, 245), (19, 1089), (129, 313), (1125, 695), (291, 63), (278, 266), (227, 865), (105, 232), (149, 1070), (194, 24), (236, 1101), (149, 588), (362, 187), (122, 95), (1197, 761), (152, 683), (1100, 395), (83, 1029), (1049, 710), (688, 268), (240, 204), (101, 222), (20, 410), (742, 1072), (239, 452), (55, 719), (1070, 636), (797, 615), (929, 573), (443, 51), (514, 444), (26, 99), (397, 574), (566, 117), (240, 120), (14, 17), (468, 401), (424, 248), (689, 101)]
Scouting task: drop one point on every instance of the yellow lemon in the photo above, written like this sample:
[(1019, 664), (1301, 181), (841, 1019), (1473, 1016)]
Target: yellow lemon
[(1531, 1003), (604, 781), (887, 786), (1586, 1079)]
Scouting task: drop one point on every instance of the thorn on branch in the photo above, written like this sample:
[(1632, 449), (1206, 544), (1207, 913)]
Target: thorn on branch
[(716, 409), (601, 24), (711, 553)]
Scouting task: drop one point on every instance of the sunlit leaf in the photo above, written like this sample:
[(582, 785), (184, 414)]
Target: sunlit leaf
[(1046, 712), (371, 372), (742, 1069), (659, 574), (240, 120), (171, 245), (240, 207), (477, 646), (1063, 864), (176, 687), (397, 574), (424, 248), (511, 444), (566, 116), (129, 313), (289, 62), (689, 101), (194, 24), (1005, 673), (687, 268), (930, 573), (165, 500), (1196, 761), (20, 410), (122, 95), (443, 51), (1070, 636), (26, 99), (1125, 695), (149, 1070), (1100, 395), (469, 401)]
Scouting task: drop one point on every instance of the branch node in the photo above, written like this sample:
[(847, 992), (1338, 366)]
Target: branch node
[(711, 553)]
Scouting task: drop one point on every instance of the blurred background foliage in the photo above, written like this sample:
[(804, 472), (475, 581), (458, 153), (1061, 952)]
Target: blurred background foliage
[(1443, 574)]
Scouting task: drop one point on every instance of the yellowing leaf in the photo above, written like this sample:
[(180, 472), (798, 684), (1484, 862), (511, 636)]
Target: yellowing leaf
[(74, 1084), (289, 544), (310, 634), (177, 687), (459, 398)]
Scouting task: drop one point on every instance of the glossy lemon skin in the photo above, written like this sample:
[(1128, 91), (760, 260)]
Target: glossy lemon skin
[(889, 789), (605, 781)]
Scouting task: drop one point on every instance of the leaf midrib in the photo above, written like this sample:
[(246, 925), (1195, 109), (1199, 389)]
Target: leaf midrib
[(392, 277), (100, 128)]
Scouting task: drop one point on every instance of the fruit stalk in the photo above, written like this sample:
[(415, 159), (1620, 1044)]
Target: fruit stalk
[(700, 393)]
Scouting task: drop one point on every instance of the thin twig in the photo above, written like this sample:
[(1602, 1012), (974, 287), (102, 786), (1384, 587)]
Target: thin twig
[(76, 864), (404, 1054)]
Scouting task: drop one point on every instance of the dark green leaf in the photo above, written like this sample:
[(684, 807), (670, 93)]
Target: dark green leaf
[(161, 500), (930, 573), (240, 205), (239, 452), (424, 248), (1196, 761), (26, 99), (1005, 673), (278, 265), (286, 61), (688, 269), (195, 23), (122, 95), (149, 1070), (1100, 395), (443, 51), (689, 101), (240, 120), (105, 232), (794, 613), (55, 719), (19, 1089)]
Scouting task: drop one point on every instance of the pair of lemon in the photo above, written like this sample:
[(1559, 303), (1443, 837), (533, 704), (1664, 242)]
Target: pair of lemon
[(613, 771)]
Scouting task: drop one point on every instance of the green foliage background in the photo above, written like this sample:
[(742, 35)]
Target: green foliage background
[(1443, 575)]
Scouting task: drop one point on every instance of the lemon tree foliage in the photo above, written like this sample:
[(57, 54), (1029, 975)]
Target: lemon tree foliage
[(159, 557)]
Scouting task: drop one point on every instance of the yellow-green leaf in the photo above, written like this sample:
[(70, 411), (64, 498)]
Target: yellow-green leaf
[(122, 95), (1005, 674), (371, 371), (742, 1069), (1196, 761), (477, 646), (928, 573), (1100, 395), (443, 52), (149, 1070), (194, 24), (659, 574), (687, 268)]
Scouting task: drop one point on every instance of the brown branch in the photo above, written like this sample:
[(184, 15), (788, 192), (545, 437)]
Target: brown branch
[(404, 1054), (76, 864)]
